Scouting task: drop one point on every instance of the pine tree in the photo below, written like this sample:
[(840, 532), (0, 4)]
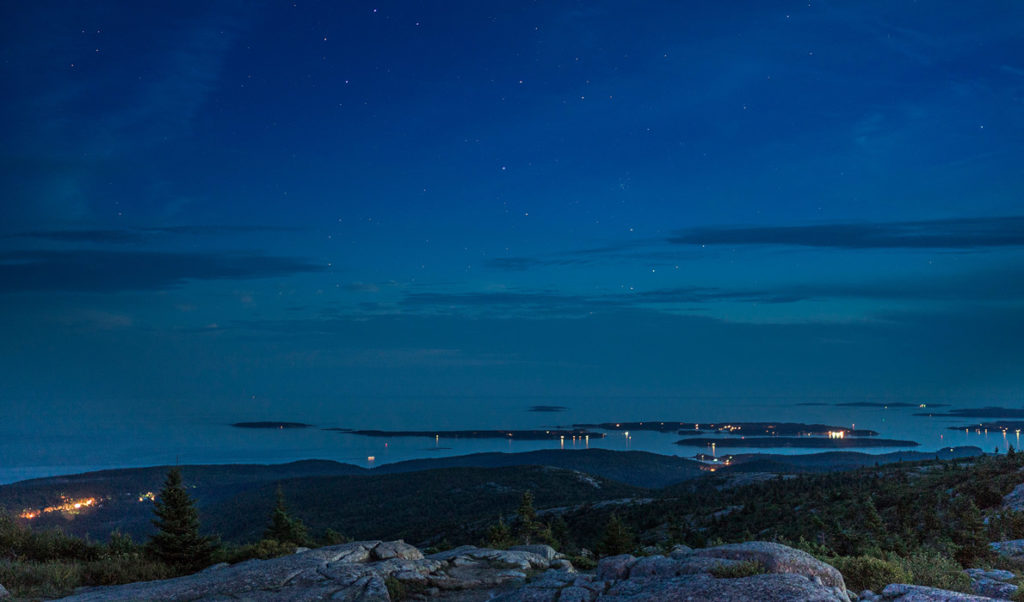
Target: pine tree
[(527, 526), (283, 527), (177, 541), (968, 531), (499, 535), (526, 512), (618, 539)]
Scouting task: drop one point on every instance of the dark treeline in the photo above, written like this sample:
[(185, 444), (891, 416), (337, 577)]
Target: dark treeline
[(920, 522)]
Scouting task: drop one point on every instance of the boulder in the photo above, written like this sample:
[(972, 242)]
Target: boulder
[(1014, 500), (997, 574), (778, 587), (900, 592), (452, 553), (395, 549), (615, 567), (993, 588), (777, 558), (992, 583), (563, 564), (547, 552), (1010, 547)]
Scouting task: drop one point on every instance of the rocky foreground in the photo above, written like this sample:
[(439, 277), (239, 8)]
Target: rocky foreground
[(375, 571)]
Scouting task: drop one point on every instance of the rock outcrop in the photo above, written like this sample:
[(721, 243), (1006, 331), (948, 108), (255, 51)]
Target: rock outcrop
[(1015, 499), (374, 571), (899, 592), (1010, 548), (992, 583)]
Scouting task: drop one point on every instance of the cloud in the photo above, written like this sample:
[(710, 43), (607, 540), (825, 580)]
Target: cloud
[(551, 303), (110, 271), (960, 233), (85, 236), (997, 284), (140, 235)]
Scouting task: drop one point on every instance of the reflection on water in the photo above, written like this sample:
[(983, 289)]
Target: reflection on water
[(35, 446)]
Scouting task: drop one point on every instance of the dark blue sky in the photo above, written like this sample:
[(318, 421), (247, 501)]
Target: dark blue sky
[(318, 202)]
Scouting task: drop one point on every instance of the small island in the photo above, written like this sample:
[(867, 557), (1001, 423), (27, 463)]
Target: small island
[(986, 412), (874, 404), (999, 425), (546, 409), (271, 425), (792, 429), (802, 442), (529, 435)]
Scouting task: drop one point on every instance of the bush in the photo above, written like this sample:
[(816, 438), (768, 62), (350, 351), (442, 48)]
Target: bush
[(396, 589), (262, 549), (20, 542), (118, 571), (865, 572), (747, 568), (934, 570), (40, 579)]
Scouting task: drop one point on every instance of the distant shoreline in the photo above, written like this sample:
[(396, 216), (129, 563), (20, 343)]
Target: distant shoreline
[(529, 435), (801, 442), (271, 425)]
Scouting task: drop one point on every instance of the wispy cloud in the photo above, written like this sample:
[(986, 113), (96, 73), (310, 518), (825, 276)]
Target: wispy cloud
[(998, 284), (961, 233), (140, 235), (110, 271)]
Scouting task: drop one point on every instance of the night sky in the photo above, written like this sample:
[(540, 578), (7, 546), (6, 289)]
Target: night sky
[(296, 207)]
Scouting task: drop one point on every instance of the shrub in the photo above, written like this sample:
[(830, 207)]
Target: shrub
[(20, 542), (396, 589), (934, 570), (117, 571), (262, 549), (40, 579), (333, 538), (865, 572), (746, 568)]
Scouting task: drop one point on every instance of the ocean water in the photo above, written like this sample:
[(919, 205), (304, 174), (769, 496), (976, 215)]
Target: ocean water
[(37, 443)]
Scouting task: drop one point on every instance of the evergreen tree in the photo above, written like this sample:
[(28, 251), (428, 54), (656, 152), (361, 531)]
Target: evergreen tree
[(177, 541), (527, 528), (283, 527), (968, 531), (617, 539), (499, 535), (873, 523), (526, 512)]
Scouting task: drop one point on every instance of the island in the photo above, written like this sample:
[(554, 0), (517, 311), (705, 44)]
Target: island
[(271, 425), (802, 442), (547, 409), (999, 425), (529, 435), (986, 412), (735, 428), (874, 404)]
